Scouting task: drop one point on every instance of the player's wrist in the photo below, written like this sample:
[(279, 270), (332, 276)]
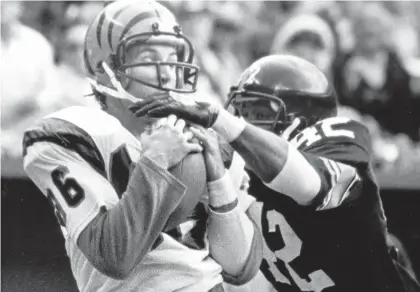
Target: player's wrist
[(213, 114), (222, 193), (214, 166), (157, 158), (228, 126)]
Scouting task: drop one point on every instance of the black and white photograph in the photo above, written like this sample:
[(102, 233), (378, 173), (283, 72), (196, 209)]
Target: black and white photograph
[(210, 146)]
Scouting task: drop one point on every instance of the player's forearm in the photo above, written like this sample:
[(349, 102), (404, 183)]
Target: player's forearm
[(230, 232), (118, 239), (264, 152), (280, 166), (235, 244)]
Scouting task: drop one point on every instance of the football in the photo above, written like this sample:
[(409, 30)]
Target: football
[(191, 171)]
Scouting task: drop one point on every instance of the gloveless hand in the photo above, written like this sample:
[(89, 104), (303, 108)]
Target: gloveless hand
[(167, 143), (214, 162)]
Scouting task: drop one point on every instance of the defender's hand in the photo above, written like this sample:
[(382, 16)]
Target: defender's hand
[(167, 143), (201, 113), (214, 162)]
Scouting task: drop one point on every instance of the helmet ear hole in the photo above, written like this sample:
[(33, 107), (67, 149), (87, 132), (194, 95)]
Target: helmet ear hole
[(112, 61), (99, 68)]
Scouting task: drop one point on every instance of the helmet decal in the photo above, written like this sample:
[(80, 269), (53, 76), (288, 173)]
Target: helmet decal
[(253, 71)]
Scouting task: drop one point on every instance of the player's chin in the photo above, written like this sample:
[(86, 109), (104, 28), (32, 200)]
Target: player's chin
[(158, 93), (145, 121)]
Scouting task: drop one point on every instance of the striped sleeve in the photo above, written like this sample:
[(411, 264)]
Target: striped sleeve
[(66, 165), (339, 182), (340, 155), (76, 191)]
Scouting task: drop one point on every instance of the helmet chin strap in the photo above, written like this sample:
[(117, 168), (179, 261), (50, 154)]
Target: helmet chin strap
[(119, 93)]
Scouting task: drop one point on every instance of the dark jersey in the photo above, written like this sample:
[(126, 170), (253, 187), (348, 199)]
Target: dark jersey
[(338, 242)]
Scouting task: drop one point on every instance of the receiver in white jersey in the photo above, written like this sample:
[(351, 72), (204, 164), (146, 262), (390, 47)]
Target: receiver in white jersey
[(80, 159)]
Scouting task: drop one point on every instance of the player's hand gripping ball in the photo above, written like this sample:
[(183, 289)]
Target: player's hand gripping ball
[(191, 171)]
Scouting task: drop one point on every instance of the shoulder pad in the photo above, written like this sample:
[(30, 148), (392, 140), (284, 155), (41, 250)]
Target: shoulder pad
[(337, 138), (69, 129), (104, 124)]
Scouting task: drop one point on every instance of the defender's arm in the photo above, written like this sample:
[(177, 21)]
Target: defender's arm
[(279, 165), (307, 178)]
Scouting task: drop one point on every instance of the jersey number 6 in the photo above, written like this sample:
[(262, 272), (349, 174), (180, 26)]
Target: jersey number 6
[(69, 188)]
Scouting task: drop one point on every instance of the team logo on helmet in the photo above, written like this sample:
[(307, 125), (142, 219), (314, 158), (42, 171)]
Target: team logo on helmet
[(252, 73)]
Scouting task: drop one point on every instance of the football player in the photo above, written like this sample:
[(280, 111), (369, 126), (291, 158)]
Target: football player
[(320, 212), (106, 171)]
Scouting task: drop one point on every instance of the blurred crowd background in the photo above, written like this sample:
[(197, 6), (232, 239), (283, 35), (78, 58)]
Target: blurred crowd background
[(369, 50)]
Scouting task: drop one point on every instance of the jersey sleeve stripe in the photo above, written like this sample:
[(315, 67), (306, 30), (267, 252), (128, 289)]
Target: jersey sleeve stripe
[(334, 169), (339, 180), (351, 185), (325, 202), (67, 135), (340, 190), (331, 172)]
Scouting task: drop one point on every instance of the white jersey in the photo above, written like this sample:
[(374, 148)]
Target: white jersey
[(79, 158)]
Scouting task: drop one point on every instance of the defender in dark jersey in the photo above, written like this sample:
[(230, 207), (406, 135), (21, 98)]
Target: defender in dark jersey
[(319, 207)]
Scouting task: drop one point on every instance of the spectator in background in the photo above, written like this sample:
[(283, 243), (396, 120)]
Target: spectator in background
[(26, 71), (214, 30), (309, 37), (376, 78), (71, 54), (229, 18), (197, 23), (83, 12), (46, 17), (71, 84), (270, 15)]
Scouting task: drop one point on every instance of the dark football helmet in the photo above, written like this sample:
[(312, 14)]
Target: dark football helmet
[(276, 89)]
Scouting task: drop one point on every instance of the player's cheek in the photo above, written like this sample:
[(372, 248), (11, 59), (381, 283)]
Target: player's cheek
[(146, 73)]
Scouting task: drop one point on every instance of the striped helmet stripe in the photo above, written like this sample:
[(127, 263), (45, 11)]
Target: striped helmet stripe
[(99, 28), (114, 17), (87, 62), (136, 19)]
